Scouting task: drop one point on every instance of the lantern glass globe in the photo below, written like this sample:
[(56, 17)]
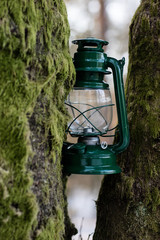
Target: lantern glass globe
[(90, 111)]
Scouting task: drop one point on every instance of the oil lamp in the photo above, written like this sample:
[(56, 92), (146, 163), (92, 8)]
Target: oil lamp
[(90, 107)]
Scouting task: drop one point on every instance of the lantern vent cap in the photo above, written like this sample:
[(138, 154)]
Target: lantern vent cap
[(90, 44)]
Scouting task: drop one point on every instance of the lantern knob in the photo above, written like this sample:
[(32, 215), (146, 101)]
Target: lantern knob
[(90, 44)]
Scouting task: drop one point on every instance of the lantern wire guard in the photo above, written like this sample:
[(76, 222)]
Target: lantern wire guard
[(89, 118)]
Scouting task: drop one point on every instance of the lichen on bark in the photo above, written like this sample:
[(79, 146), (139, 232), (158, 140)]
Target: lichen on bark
[(36, 76), (128, 206)]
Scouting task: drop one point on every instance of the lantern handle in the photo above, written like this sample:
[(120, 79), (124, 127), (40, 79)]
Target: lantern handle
[(117, 69)]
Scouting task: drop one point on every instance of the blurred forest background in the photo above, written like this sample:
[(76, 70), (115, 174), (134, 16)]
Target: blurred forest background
[(108, 20)]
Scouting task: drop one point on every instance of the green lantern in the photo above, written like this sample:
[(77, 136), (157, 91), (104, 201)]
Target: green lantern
[(90, 107)]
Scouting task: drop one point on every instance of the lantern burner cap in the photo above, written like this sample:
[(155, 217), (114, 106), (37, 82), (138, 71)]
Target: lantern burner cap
[(91, 140), (88, 130)]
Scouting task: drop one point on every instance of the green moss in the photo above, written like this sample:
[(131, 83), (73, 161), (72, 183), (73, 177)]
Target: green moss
[(143, 91), (127, 187), (34, 59), (54, 228)]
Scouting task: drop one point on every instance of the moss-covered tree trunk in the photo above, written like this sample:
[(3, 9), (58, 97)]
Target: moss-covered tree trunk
[(128, 206), (36, 73)]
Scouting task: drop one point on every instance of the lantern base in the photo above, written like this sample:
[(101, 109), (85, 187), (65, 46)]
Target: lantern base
[(87, 159)]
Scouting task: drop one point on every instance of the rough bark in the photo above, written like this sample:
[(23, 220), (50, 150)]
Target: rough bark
[(36, 74), (128, 206)]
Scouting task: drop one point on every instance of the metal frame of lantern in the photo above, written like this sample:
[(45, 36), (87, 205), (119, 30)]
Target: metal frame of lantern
[(85, 157), (99, 133)]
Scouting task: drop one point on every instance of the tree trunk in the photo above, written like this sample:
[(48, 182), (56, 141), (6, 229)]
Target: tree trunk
[(128, 205), (36, 74), (102, 19)]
